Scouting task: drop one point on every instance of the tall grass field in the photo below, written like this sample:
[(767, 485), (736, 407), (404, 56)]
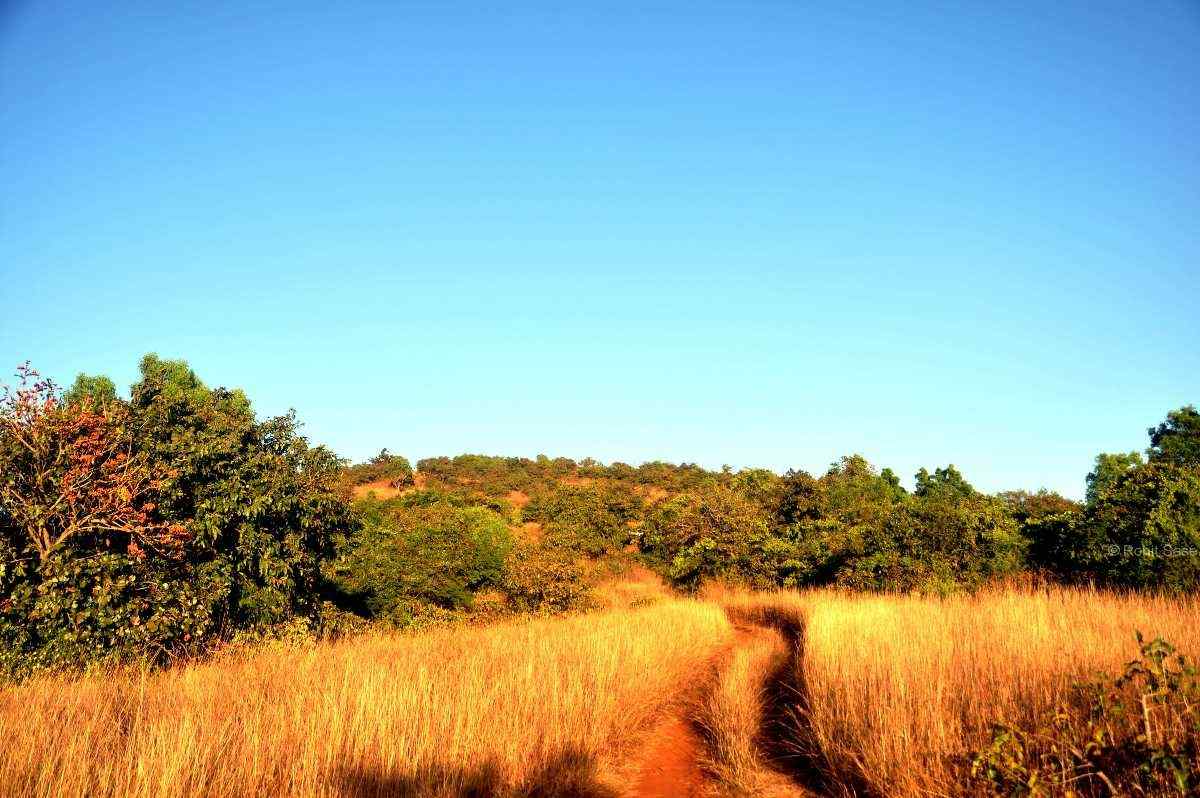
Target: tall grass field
[(813, 693)]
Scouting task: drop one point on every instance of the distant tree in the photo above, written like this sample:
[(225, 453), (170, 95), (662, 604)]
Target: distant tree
[(939, 541), (800, 499), (94, 391), (1026, 507), (385, 466), (1177, 440), (411, 553), (856, 494), (823, 523), (1108, 469), (1050, 524), (716, 532), (891, 478), (543, 580), (587, 519), (761, 486), (946, 480)]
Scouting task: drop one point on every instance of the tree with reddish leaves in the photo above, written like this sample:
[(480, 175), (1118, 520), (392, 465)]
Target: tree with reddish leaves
[(154, 526), (69, 476), (87, 564)]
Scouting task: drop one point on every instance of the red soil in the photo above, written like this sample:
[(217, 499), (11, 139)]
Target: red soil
[(670, 767)]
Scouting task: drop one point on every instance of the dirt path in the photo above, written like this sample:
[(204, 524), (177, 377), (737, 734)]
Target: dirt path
[(716, 744), (670, 764)]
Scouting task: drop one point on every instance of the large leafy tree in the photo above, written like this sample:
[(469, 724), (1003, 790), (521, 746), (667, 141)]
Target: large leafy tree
[(1144, 531), (84, 556), (1141, 523), (260, 503), (823, 523), (1109, 468), (148, 526), (1177, 440)]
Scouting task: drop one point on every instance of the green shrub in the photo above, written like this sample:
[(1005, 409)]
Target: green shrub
[(408, 554), (711, 533)]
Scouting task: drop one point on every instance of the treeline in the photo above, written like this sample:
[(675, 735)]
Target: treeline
[(857, 526), (158, 524)]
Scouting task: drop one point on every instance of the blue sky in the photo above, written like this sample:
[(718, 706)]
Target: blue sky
[(760, 233)]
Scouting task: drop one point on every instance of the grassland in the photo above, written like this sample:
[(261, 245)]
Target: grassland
[(890, 692), (787, 694), (545, 705)]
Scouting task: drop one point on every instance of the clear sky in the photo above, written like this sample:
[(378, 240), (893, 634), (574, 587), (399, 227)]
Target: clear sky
[(755, 233)]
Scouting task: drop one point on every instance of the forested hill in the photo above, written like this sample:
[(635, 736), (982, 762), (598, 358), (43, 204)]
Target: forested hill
[(157, 523)]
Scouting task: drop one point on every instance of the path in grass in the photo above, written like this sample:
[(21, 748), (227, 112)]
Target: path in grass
[(725, 739), (670, 762)]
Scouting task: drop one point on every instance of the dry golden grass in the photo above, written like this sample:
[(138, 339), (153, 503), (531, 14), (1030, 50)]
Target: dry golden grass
[(635, 587), (896, 689), (885, 693), (736, 722), (381, 488), (549, 704)]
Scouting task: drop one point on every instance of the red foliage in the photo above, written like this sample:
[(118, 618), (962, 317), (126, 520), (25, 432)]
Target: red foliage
[(69, 474)]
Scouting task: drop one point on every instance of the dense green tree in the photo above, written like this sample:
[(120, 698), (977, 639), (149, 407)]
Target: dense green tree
[(716, 532), (824, 522), (81, 556), (800, 498), (1108, 469), (1027, 507), (407, 553), (944, 481), (761, 486), (95, 390), (187, 519), (1141, 523), (937, 541), (589, 519), (1144, 531), (1177, 440), (261, 504), (854, 493)]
